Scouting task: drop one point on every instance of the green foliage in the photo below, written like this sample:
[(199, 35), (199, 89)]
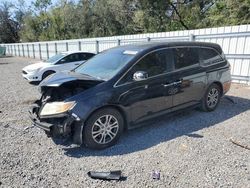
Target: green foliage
[(31, 30), (230, 12), (8, 26), (150, 16), (68, 19), (111, 17)]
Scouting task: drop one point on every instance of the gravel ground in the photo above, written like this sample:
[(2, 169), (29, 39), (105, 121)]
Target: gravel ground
[(191, 149)]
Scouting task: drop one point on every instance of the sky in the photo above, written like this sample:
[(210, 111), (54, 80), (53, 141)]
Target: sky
[(28, 2)]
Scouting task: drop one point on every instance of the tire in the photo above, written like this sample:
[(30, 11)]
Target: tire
[(47, 73), (103, 128), (211, 98)]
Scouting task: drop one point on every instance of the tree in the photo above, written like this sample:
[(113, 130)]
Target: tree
[(67, 19), (229, 12), (31, 30), (8, 26), (111, 17), (151, 16), (84, 25)]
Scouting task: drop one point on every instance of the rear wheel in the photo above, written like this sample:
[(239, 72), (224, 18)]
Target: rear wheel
[(47, 73), (103, 128), (211, 98)]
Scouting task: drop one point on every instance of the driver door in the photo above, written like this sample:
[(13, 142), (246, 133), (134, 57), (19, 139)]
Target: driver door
[(151, 96)]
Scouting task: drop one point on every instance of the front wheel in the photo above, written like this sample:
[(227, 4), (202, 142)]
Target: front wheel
[(211, 98), (103, 128)]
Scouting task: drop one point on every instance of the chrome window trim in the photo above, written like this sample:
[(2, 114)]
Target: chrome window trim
[(205, 66), (174, 71)]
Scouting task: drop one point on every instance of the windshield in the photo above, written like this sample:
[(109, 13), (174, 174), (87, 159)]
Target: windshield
[(54, 58), (105, 65)]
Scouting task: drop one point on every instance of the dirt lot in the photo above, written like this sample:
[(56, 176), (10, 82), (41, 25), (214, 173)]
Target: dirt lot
[(191, 149)]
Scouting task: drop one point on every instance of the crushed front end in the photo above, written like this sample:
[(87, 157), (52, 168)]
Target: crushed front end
[(60, 124), (54, 112), (57, 125)]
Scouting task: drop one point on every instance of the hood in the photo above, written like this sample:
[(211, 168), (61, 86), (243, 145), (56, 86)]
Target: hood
[(34, 66), (57, 79)]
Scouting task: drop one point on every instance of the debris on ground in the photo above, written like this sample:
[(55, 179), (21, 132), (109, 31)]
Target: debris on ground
[(6, 125), (194, 135), (239, 144), (156, 175), (28, 127), (112, 175)]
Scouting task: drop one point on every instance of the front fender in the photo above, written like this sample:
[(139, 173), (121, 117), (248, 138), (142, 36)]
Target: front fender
[(82, 110), (85, 107)]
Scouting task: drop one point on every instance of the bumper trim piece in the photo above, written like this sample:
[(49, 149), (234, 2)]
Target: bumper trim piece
[(62, 128), (45, 126)]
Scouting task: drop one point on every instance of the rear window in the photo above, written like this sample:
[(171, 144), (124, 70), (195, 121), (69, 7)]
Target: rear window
[(188, 56), (209, 56)]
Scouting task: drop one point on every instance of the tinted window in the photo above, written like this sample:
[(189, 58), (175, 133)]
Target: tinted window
[(89, 55), (85, 56), (155, 63), (208, 56), (68, 59), (54, 58), (185, 57)]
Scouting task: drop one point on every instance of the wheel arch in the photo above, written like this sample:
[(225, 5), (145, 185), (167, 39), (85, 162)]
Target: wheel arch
[(218, 84), (48, 70), (118, 108)]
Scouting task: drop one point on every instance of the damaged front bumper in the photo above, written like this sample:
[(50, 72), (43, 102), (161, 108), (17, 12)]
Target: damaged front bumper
[(58, 126)]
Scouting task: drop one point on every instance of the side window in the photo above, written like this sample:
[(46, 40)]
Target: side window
[(82, 57), (70, 58), (89, 55), (185, 57), (85, 56), (155, 63), (209, 56)]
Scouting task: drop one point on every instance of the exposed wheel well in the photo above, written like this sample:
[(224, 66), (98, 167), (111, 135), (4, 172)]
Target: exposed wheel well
[(220, 85)]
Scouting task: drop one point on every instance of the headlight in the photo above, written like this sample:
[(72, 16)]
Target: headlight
[(56, 108)]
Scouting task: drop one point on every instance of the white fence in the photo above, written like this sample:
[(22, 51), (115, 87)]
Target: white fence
[(234, 40)]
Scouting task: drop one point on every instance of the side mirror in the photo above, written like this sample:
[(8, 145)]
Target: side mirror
[(140, 75)]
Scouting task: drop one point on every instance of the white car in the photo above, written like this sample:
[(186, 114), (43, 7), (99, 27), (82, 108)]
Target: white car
[(64, 61)]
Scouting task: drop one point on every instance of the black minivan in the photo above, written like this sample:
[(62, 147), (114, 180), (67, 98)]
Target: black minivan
[(122, 87)]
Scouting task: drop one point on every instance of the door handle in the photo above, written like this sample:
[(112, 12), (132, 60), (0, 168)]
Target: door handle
[(177, 82), (167, 85), (77, 63), (172, 84)]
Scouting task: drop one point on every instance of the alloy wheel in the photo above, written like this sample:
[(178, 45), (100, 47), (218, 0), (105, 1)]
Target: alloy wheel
[(213, 98), (105, 129)]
